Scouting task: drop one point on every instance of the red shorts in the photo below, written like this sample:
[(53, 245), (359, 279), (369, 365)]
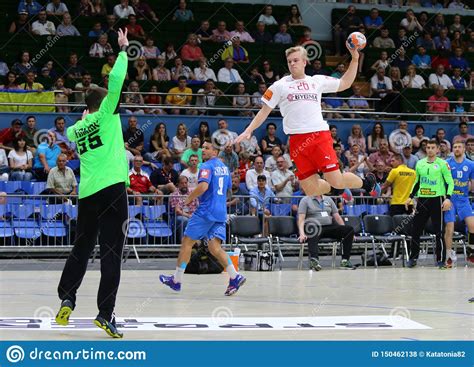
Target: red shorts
[(312, 153)]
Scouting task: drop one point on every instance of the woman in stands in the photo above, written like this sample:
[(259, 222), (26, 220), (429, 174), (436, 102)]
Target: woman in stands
[(101, 48), (21, 161), (412, 80), (11, 83), (357, 137), (158, 144), (161, 73), (140, 70), (375, 137), (294, 18), (61, 96), (181, 141), (150, 51), (269, 76), (204, 132)]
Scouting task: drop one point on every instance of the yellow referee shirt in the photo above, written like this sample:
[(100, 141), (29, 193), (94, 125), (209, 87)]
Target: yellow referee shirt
[(401, 179)]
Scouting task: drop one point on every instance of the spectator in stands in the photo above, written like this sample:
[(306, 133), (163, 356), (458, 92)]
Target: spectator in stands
[(426, 41), (107, 68), (457, 25), (381, 86), (57, 8), (140, 70), (266, 17), (4, 168), (96, 31), (357, 101), (101, 48), (140, 184), (179, 70), (401, 61), (456, 4), (241, 102), (261, 35), (150, 51), (135, 31), (258, 170), (30, 133), (421, 153), (48, 70), (43, 27), (442, 42), (31, 7), (294, 17), (144, 11), (271, 161), (180, 96), (458, 61), (166, 178), (203, 72), (380, 172), (318, 217), (382, 62), (192, 171), (87, 8), (84, 86), (21, 67), (181, 141), (235, 203), (73, 69), (257, 96), (463, 135), (220, 34), (46, 156), (402, 39), (374, 139), (435, 4), (383, 155), (340, 70), (283, 36), (283, 180), (470, 83), (470, 149), (133, 137), (154, 99), (182, 14), (331, 102), (358, 162), (438, 24), (21, 161), (269, 75), (440, 79), (438, 104), (158, 144), (223, 125), (316, 68), (228, 74), (421, 59), (357, 137), (383, 41), (61, 180), (181, 210), (123, 10), (470, 42), (260, 196), (335, 138), (444, 151), (66, 28), (343, 162), (460, 110), (191, 51), (345, 26), (21, 24), (67, 147), (306, 38), (270, 140), (457, 41), (400, 180), (244, 165), (441, 137), (250, 146), (194, 149), (235, 51), (160, 72), (111, 29), (203, 33), (241, 33), (10, 82), (397, 87), (458, 81), (399, 138), (410, 23), (409, 159), (30, 83), (134, 97), (230, 158), (204, 133), (373, 21), (207, 97)]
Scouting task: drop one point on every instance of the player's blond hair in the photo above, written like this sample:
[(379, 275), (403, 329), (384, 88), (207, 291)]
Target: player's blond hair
[(300, 49)]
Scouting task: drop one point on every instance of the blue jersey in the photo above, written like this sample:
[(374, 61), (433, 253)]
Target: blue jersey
[(462, 173), (213, 203)]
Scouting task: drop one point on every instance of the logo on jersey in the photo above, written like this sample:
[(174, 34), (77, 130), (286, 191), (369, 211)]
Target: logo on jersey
[(204, 173), (268, 95), (465, 168), (303, 97), (435, 166)]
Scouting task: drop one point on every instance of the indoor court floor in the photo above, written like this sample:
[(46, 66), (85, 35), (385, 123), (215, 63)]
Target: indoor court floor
[(364, 304)]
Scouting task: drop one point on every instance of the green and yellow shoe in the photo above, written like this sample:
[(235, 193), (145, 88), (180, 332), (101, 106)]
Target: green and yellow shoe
[(346, 265), (108, 327), (62, 317)]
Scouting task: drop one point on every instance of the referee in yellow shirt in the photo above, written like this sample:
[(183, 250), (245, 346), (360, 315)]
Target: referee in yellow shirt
[(401, 179)]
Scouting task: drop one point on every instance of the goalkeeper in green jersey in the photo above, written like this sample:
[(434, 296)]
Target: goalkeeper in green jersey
[(103, 204), (433, 187)]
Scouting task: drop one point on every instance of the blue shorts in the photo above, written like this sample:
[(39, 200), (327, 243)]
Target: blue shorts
[(461, 207), (199, 228)]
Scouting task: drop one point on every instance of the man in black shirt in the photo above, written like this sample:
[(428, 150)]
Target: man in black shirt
[(166, 178), (133, 137), (270, 140)]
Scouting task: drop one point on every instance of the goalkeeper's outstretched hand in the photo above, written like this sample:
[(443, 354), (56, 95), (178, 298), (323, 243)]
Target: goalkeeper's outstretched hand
[(122, 38)]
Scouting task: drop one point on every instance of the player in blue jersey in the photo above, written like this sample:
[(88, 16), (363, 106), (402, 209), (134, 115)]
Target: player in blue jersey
[(462, 170), (208, 221)]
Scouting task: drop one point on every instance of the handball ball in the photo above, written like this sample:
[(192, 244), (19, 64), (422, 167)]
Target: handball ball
[(356, 40)]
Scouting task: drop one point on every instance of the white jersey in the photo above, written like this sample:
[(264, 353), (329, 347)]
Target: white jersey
[(300, 102)]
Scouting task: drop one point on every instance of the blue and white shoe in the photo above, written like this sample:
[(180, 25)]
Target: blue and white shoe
[(347, 195), (235, 284), (169, 281)]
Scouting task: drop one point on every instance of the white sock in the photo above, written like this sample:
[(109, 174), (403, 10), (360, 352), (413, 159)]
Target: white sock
[(178, 274), (231, 271)]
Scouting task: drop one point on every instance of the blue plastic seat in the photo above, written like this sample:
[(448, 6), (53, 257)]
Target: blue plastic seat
[(71, 211), (11, 186), (38, 187), (136, 229), (134, 210), (154, 224), (21, 211), (280, 210)]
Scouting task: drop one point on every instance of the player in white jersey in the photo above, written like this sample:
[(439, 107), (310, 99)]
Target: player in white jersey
[(311, 145)]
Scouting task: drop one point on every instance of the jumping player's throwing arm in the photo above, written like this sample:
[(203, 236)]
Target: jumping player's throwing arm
[(311, 146), (103, 203)]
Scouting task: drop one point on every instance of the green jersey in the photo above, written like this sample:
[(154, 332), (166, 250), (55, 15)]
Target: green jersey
[(99, 139), (432, 178)]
